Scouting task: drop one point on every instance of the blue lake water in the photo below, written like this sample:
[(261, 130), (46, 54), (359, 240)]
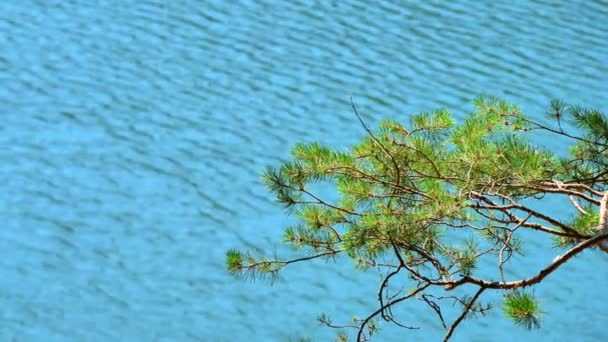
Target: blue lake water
[(133, 134)]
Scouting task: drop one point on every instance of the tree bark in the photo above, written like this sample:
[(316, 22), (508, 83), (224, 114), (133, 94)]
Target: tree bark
[(603, 220)]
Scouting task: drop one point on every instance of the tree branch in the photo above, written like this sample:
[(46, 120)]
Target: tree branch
[(388, 305), (463, 314), (602, 228), (514, 205), (557, 262), (534, 226), (560, 132)]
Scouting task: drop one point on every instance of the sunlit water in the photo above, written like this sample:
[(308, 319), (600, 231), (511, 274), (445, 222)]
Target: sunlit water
[(133, 133)]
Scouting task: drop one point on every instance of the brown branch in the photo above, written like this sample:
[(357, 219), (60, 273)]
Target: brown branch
[(534, 226), (575, 186), (320, 201), (324, 320), (388, 305), (501, 262), (573, 200), (557, 262), (464, 313), (514, 205), (384, 285), (560, 132), (435, 308), (285, 263), (550, 189), (441, 271)]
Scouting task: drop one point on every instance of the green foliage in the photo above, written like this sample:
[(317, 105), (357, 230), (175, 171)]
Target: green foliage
[(234, 261), (523, 309), (583, 223), (243, 264), (300, 339), (467, 259), (434, 198), (341, 337)]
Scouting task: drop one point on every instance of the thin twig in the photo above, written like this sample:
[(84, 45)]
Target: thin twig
[(507, 241), (463, 314), (397, 170)]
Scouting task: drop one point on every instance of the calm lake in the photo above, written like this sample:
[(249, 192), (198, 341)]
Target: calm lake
[(133, 134)]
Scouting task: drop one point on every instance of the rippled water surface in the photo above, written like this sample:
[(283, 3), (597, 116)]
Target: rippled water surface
[(133, 133)]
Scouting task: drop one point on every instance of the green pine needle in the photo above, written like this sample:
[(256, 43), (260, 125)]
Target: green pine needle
[(234, 261), (523, 309)]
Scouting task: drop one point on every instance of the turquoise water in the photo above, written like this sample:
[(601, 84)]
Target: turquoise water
[(133, 134)]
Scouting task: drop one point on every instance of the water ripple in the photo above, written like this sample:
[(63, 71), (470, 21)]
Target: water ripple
[(134, 133)]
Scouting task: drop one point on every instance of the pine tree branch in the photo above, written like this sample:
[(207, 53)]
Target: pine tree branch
[(572, 186), (548, 189), (320, 201), (534, 226), (515, 205), (557, 262)]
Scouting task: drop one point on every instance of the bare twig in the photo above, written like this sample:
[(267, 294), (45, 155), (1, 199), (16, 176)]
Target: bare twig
[(435, 308), (371, 134), (463, 314), (384, 287), (388, 305), (506, 243), (540, 126)]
